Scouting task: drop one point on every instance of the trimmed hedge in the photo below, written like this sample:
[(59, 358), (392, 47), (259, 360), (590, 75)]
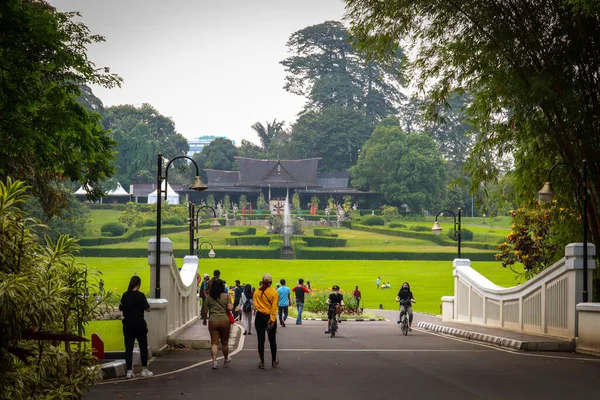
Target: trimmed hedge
[(396, 225), (98, 206), (420, 228), (248, 241), (346, 224), (113, 229), (324, 241), (129, 236), (302, 251), (271, 251), (465, 235), (372, 220), (244, 231), (368, 212), (324, 232)]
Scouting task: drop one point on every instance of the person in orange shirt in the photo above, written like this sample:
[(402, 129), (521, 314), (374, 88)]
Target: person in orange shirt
[(265, 323)]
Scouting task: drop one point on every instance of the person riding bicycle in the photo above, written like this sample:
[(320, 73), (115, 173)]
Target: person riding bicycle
[(335, 302), (405, 297)]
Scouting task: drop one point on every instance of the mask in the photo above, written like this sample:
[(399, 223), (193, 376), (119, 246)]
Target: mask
[(404, 288), (335, 292)]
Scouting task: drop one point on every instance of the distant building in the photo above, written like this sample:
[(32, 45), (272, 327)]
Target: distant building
[(116, 196), (196, 145)]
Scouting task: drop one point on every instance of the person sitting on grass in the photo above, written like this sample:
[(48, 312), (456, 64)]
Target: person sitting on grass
[(335, 302)]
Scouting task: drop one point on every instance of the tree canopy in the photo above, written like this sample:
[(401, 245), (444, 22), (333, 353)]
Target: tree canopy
[(326, 69), (47, 136), (405, 168)]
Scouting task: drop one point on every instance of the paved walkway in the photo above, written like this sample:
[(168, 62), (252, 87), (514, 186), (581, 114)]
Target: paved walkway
[(365, 360)]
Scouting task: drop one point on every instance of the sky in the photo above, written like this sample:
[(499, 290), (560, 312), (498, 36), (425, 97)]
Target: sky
[(212, 66)]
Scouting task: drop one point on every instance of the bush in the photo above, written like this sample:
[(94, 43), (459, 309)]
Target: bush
[(324, 232), (149, 222), (389, 212), (98, 206), (129, 236), (244, 231), (112, 229), (324, 241), (172, 220), (320, 212), (372, 220), (396, 225), (368, 212), (420, 228), (466, 235), (346, 224), (248, 241)]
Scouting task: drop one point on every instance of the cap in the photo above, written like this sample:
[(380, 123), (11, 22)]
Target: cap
[(267, 277), (335, 287), (206, 275)]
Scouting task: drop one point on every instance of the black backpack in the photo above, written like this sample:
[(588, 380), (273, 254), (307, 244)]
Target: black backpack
[(247, 307)]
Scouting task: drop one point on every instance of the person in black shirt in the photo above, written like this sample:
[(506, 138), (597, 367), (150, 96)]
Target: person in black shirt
[(335, 302), (237, 297), (405, 297), (300, 290), (134, 304)]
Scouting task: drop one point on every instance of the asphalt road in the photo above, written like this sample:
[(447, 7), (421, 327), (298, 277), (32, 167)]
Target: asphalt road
[(367, 360)]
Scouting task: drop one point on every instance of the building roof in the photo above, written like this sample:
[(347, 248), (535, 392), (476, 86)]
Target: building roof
[(118, 191), (144, 189)]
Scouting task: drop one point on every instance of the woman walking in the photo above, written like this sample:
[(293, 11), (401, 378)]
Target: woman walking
[(265, 322), (247, 305), (133, 304), (216, 306)]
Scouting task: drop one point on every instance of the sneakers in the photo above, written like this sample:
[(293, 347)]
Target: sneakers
[(146, 373), (398, 322), (261, 365), (215, 365), (226, 362), (409, 329), (245, 333), (274, 363), (130, 374), (339, 320), (328, 331), (249, 333), (282, 323)]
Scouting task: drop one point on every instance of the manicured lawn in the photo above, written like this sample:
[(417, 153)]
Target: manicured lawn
[(111, 333), (99, 218)]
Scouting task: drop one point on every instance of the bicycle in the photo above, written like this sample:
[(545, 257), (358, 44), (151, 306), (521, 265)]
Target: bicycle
[(334, 322), (404, 319)]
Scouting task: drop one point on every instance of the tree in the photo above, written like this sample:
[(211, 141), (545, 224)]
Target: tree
[(329, 72), (71, 220), (136, 154), (533, 77), (250, 150), (336, 134), (406, 169), (44, 309), (47, 137), (162, 129), (269, 132)]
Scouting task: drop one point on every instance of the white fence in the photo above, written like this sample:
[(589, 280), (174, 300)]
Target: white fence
[(178, 306), (546, 304)]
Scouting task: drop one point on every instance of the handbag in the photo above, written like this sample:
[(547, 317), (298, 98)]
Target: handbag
[(229, 313)]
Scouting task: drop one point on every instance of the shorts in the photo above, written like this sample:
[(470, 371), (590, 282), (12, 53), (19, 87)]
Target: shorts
[(330, 313), (219, 330)]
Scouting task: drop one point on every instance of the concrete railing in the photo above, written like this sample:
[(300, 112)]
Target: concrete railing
[(545, 304), (588, 340), (178, 306)]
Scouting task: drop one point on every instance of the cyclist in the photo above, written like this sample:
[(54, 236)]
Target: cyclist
[(335, 302), (405, 297)]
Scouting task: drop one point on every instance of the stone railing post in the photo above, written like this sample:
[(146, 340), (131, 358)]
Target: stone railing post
[(156, 320), (166, 259)]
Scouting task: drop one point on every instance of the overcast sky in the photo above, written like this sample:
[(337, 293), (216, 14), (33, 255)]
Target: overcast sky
[(212, 66)]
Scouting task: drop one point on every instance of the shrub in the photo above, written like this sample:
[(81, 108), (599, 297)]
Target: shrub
[(324, 232), (465, 235), (324, 241), (346, 224), (396, 225), (244, 231), (372, 220), (112, 229), (420, 228), (320, 212), (248, 241), (389, 212), (172, 220), (149, 222)]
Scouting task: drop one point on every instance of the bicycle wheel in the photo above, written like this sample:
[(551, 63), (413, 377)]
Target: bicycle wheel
[(404, 326)]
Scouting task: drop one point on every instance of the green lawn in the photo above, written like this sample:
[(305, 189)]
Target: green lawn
[(99, 218), (111, 333)]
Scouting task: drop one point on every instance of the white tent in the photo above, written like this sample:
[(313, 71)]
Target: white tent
[(172, 196), (116, 192)]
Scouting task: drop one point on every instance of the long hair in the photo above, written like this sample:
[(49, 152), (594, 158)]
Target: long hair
[(216, 289), (134, 282), (407, 284), (248, 291)]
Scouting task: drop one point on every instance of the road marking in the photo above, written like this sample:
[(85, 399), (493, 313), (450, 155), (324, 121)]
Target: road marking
[(377, 350), (240, 346), (514, 352)]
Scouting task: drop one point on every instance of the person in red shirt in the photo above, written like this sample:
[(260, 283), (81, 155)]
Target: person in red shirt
[(300, 290), (356, 295)]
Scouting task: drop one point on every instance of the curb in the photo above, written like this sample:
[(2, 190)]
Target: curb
[(113, 369), (511, 344)]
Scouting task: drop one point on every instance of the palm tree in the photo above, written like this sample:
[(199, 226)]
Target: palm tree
[(268, 133)]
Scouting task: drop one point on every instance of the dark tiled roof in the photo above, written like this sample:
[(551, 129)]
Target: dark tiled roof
[(222, 178), (333, 179), (290, 173)]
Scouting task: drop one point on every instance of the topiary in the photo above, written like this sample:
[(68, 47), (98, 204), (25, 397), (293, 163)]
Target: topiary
[(371, 220), (396, 225), (465, 235), (112, 229)]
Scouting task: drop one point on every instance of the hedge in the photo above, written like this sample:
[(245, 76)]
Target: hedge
[(346, 224), (271, 251), (396, 225), (129, 236), (113, 229), (372, 220), (312, 241), (244, 231), (324, 232), (98, 206), (248, 241), (302, 251), (420, 228), (368, 212)]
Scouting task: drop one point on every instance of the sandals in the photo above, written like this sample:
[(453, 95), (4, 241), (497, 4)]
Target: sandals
[(275, 362)]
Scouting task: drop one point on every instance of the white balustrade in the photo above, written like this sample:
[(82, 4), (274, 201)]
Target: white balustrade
[(178, 306), (545, 304)]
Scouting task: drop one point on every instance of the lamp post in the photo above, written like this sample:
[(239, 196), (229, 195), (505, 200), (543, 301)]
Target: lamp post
[(214, 226), (211, 253), (197, 185), (546, 195), (437, 228)]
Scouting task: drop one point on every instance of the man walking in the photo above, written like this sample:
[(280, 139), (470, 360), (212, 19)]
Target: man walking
[(237, 297), (284, 302), (356, 295), (204, 287), (299, 290)]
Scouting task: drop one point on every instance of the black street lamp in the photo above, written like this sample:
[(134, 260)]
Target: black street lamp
[(546, 195), (194, 222), (437, 228), (211, 253), (197, 185)]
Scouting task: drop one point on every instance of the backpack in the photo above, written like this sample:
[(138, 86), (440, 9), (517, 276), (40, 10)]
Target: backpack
[(247, 307)]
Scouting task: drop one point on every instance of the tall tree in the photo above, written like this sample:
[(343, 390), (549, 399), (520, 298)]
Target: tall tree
[(533, 69), (406, 169), (136, 155), (219, 154), (328, 71), (336, 134), (269, 132), (47, 137), (250, 150)]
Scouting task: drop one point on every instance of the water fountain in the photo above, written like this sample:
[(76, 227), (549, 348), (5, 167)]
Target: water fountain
[(288, 230)]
